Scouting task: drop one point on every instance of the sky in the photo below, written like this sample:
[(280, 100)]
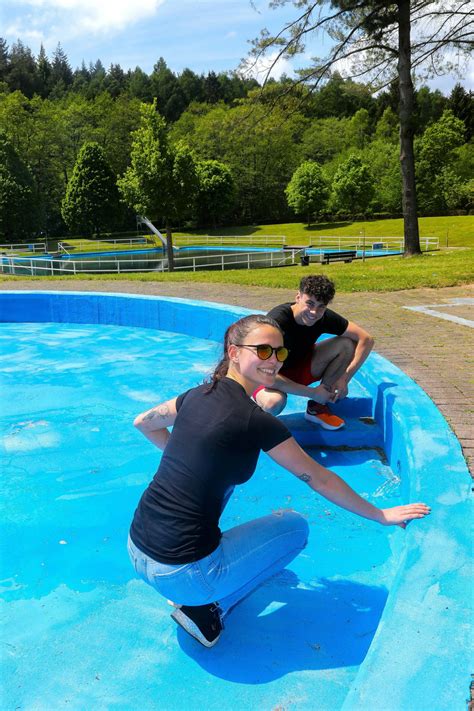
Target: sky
[(203, 35)]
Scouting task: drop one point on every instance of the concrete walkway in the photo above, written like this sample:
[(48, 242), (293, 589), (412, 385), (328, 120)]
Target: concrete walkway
[(437, 353)]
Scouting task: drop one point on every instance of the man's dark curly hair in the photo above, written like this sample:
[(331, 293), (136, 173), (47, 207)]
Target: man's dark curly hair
[(319, 287)]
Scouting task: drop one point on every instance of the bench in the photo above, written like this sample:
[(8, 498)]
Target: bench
[(344, 256)]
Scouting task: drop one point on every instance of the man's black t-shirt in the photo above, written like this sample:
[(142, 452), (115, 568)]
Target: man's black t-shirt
[(214, 445), (300, 339)]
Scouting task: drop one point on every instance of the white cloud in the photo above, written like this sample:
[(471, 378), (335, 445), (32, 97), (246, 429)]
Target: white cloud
[(267, 67), (75, 17)]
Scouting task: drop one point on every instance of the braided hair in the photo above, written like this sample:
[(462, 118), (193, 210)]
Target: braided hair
[(236, 333)]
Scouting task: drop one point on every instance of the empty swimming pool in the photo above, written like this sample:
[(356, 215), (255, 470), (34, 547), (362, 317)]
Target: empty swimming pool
[(82, 631)]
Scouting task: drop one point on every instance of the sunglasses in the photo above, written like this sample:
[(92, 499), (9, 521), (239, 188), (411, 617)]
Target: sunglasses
[(265, 351)]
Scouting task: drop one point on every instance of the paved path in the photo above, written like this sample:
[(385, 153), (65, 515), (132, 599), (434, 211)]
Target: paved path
[(437, 353)]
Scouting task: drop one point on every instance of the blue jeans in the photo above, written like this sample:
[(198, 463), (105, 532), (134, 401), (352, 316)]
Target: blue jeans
[(246, 556)]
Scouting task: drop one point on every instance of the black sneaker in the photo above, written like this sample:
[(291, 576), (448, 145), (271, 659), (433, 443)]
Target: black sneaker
[(202, 622)]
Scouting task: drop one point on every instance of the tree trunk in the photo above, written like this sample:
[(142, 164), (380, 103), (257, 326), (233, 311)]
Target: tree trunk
[(407, 157), (169, 248)]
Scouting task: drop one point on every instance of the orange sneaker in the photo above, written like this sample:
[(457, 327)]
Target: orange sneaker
[(322, 415)]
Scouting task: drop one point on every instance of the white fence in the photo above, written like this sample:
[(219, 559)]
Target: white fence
[(66, 246), (230, 239), (20, 247), (24, 266), (368, 244)]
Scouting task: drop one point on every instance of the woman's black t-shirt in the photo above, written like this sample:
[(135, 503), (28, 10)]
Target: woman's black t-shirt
[(214, 445)]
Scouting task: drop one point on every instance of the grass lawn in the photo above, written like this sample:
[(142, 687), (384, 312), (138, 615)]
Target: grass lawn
[(449, 267), (452, 231)]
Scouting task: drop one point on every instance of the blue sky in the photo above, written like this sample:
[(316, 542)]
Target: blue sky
[(203, 35)]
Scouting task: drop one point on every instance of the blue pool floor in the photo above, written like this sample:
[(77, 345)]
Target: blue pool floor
[(80, 630)]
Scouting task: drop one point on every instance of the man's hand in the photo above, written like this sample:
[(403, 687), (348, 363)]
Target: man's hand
[(339, 389), (322, 394)]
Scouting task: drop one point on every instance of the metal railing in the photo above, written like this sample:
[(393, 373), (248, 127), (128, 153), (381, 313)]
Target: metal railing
[(20, 247), (370, 243), (230, 239), (34, 266), (248, 260), (92, 245)]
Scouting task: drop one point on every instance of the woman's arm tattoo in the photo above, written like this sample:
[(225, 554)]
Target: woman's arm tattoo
[(161, 410), (304, 477)]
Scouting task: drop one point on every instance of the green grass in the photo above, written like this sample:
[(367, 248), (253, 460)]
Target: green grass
[(81, 244), (452, 231), (449, 267)]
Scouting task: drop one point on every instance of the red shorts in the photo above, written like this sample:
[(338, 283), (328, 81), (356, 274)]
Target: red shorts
[(300, 373)]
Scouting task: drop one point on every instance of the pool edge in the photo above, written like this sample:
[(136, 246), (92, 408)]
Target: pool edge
[(417, 656)]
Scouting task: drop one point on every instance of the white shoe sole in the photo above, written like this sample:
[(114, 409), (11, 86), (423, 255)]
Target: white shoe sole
[(188, 625), (317, 421)]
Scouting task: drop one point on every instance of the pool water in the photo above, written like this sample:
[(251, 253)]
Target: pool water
[(81, 631)]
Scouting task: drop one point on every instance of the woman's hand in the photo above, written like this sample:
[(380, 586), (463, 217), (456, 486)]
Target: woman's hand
[(402, 515), (290, 456)]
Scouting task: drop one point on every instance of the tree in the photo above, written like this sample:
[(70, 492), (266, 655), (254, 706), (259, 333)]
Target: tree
[(61, 72), (166, 89), (307, 190), (360, 128), (44, 72), (114, 82), (139, 85), (97, 79), (382, 156), (387, 126), (91, 201), (161, 181), (325, 138), (382, 41), (191, 86), (261, 157), (216, 191), (341, 97), (429, 105), (352, 187), (17, 195), (4, 61), (435, 151), (461, 104), (22, 70), (212, 88)]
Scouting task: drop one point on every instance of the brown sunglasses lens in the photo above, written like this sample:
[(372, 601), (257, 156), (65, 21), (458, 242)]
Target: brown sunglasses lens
[(264, 352)]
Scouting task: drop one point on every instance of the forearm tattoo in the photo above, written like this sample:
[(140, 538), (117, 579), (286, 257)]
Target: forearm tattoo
[(304, 477), (160, 411)]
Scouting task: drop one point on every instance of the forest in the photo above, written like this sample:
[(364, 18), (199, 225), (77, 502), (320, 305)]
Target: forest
[(220, 148)]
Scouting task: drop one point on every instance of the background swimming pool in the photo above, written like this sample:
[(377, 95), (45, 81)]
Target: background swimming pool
[(81, 630)]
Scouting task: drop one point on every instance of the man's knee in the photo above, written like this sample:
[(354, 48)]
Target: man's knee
[(346, 347), (271, 401)]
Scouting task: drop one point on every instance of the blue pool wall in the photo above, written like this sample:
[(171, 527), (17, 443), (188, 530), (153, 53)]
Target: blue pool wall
[(419, 656)]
